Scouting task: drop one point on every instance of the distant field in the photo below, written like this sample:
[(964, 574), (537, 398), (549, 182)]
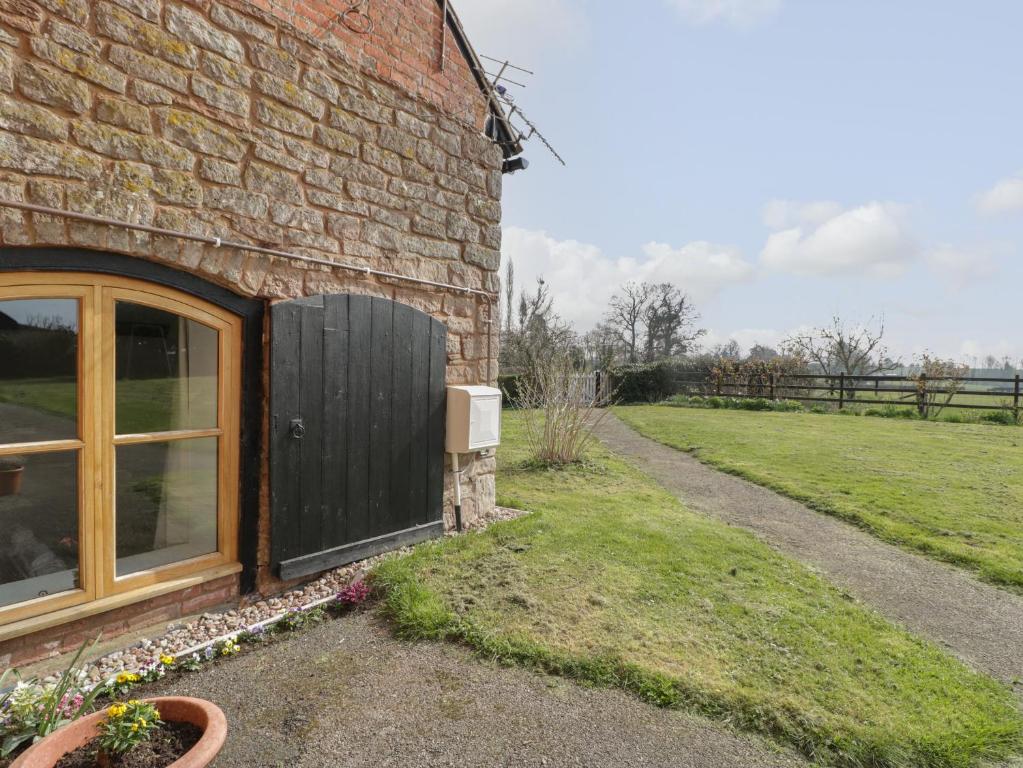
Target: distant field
[(951, 491)]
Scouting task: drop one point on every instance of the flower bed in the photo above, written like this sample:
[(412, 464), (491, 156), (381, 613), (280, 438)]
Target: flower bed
[(32, 709)]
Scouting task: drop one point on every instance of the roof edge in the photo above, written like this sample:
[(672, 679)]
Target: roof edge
[(508, 137)]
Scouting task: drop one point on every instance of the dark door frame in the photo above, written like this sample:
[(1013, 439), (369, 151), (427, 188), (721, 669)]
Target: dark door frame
[(251, 311)]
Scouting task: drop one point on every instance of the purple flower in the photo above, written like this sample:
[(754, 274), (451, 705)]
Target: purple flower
[(355, 593), (209, 652)]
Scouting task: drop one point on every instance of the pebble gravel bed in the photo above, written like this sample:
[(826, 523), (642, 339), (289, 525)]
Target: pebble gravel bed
[(183, 639)]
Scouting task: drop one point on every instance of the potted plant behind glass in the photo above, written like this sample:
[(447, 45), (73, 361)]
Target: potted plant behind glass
[(107, 737), (11, 469)]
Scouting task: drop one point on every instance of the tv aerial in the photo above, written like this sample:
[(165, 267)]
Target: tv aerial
[(518, 120)]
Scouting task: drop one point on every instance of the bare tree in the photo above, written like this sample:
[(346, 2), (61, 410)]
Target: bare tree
[(670, 323), (509, 295), (626, 316), (601, 347), (729, 351), (856, 350), (539, 334), (763, 352)]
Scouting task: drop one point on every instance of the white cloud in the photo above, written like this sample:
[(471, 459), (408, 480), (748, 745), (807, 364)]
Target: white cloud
[(582, 277), (742, 13), (959, 266), (782, 214), (523, 31), (871, 240), (1005, 196)]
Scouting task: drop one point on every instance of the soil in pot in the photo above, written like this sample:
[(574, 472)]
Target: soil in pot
[(167, 743)]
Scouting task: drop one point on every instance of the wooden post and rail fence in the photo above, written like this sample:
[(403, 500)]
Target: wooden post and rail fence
[(983, 393)]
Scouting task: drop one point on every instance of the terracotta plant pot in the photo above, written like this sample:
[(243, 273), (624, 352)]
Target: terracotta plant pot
[(173, 709), (10, 481)]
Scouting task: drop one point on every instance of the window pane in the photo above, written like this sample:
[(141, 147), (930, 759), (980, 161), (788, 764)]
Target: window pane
[(166, 371), (166, 503), (38, 525), (38, 370)]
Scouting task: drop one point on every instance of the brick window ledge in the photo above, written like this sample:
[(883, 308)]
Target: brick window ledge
[(65, 616)]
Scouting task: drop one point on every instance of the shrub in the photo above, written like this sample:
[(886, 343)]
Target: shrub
[(560, 417), (958, 417), (1005, 417), (651, 382), (787, 406), (354, 594), (509, 384), (738, 403)]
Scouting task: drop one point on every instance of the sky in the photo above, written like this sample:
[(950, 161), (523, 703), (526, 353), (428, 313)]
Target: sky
[(782, 161)]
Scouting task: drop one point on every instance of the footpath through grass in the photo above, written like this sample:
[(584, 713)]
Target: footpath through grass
[(951, 491), (611, 581)]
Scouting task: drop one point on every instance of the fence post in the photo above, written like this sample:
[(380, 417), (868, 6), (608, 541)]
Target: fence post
[(771, 381), (921, 396), (841, 390), (1015, 399)]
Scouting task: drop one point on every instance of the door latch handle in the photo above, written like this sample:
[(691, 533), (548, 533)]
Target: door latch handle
[(297, 429)]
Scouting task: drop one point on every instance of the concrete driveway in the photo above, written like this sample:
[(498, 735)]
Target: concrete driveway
[(347, 694)]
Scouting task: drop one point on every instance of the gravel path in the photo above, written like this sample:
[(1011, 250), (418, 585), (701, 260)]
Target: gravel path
[(982, 624), (347, 694)]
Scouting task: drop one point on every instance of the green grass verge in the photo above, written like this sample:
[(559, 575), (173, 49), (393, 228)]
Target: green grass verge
[(951, 491), (612, 582)]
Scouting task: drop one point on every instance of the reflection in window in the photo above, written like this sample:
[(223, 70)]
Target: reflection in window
[(166, 503), (166, 371), (38, 525), (38, 370)]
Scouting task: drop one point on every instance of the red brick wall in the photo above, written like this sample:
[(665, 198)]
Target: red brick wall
[(163, 609), (404, 48)]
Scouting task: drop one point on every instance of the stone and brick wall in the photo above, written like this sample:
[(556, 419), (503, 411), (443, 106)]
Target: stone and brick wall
[(229, 119)]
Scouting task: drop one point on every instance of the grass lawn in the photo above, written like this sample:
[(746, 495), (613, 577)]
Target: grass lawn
[(143, 405), (613, 582), (952, 491)]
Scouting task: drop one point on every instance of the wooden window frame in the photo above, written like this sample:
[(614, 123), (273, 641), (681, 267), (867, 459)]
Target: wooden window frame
[(99, 587)]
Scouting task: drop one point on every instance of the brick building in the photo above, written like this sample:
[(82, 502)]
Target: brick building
[(223, 365)]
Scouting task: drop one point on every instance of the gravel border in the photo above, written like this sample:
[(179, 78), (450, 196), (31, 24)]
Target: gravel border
[(182, 640)]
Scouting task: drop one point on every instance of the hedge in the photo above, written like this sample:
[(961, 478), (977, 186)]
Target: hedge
[(651, 382)]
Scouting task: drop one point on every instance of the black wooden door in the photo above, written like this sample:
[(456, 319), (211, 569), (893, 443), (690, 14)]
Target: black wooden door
[(357, 416)]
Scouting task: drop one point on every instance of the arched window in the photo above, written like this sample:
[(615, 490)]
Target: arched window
[(119, 419)]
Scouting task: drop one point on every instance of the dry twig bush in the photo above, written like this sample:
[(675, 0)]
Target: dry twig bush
[(560, 414)]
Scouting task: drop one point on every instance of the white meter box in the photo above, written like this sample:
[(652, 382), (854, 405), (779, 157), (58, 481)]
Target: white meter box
[(474, 419)]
